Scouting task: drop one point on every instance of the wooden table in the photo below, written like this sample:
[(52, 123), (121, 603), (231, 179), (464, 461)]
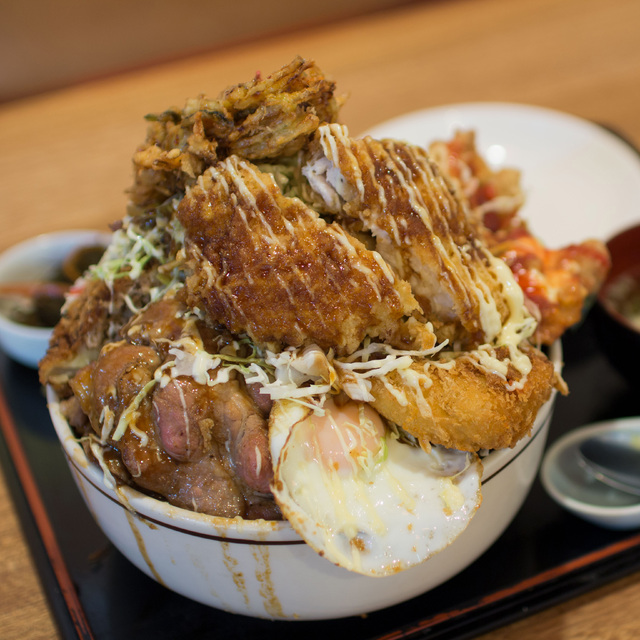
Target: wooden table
[(65, 162)]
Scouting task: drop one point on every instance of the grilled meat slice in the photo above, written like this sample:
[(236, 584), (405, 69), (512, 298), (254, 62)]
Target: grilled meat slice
[(202, 447)]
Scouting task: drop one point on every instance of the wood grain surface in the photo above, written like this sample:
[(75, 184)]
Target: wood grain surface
[(65, 163)]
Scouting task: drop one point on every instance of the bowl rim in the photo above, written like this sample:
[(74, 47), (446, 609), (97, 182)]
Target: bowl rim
[(616, 272), (238, 530), (569, 439), (30, 245), (604, 300), (50, 238), (616, 316), (24, 330)]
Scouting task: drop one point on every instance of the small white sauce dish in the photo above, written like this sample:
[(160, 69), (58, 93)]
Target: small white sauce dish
[(579, 491), (37, 259)]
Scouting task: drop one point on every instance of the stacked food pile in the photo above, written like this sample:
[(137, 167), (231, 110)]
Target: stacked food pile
[(290, 322)]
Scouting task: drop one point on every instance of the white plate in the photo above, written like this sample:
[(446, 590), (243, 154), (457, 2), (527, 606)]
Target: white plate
[(580, 180)]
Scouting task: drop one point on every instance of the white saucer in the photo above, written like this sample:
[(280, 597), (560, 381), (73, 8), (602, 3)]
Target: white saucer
[(577, 491)]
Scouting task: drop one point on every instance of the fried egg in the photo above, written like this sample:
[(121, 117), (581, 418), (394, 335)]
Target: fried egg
[(361, 496)]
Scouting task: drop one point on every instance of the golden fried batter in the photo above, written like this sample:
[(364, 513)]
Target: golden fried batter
[(494, 196), (463, 405), (269, 266), (263, 118), (557, 283), (421, 227)]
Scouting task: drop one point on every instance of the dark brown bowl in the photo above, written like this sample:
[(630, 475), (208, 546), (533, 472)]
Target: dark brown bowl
[(618, 336)]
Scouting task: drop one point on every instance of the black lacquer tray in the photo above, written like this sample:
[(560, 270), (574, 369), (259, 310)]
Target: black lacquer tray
[(544, 557)]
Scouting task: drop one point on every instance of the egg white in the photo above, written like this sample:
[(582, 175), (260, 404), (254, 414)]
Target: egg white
[(386, 513)]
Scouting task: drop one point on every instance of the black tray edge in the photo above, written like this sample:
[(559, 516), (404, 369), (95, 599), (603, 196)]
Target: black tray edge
[(36, 526), (534, 594)]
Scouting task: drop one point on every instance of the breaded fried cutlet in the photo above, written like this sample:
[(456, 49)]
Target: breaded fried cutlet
[(268, 266), (460, 404), (421, 227)]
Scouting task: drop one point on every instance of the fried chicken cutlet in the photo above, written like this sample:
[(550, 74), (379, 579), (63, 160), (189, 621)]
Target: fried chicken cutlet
[(268, 266), (456, 402), (421, 227), (558, 283)]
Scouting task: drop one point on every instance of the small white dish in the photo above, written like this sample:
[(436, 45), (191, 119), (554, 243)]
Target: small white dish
[(37, 259), (575, 489)]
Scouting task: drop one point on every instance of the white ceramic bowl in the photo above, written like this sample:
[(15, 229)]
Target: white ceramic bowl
[(37, 259), (264, 569), (581, 494)]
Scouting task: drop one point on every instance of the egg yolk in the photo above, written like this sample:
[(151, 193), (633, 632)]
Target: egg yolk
[(346, 438)]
